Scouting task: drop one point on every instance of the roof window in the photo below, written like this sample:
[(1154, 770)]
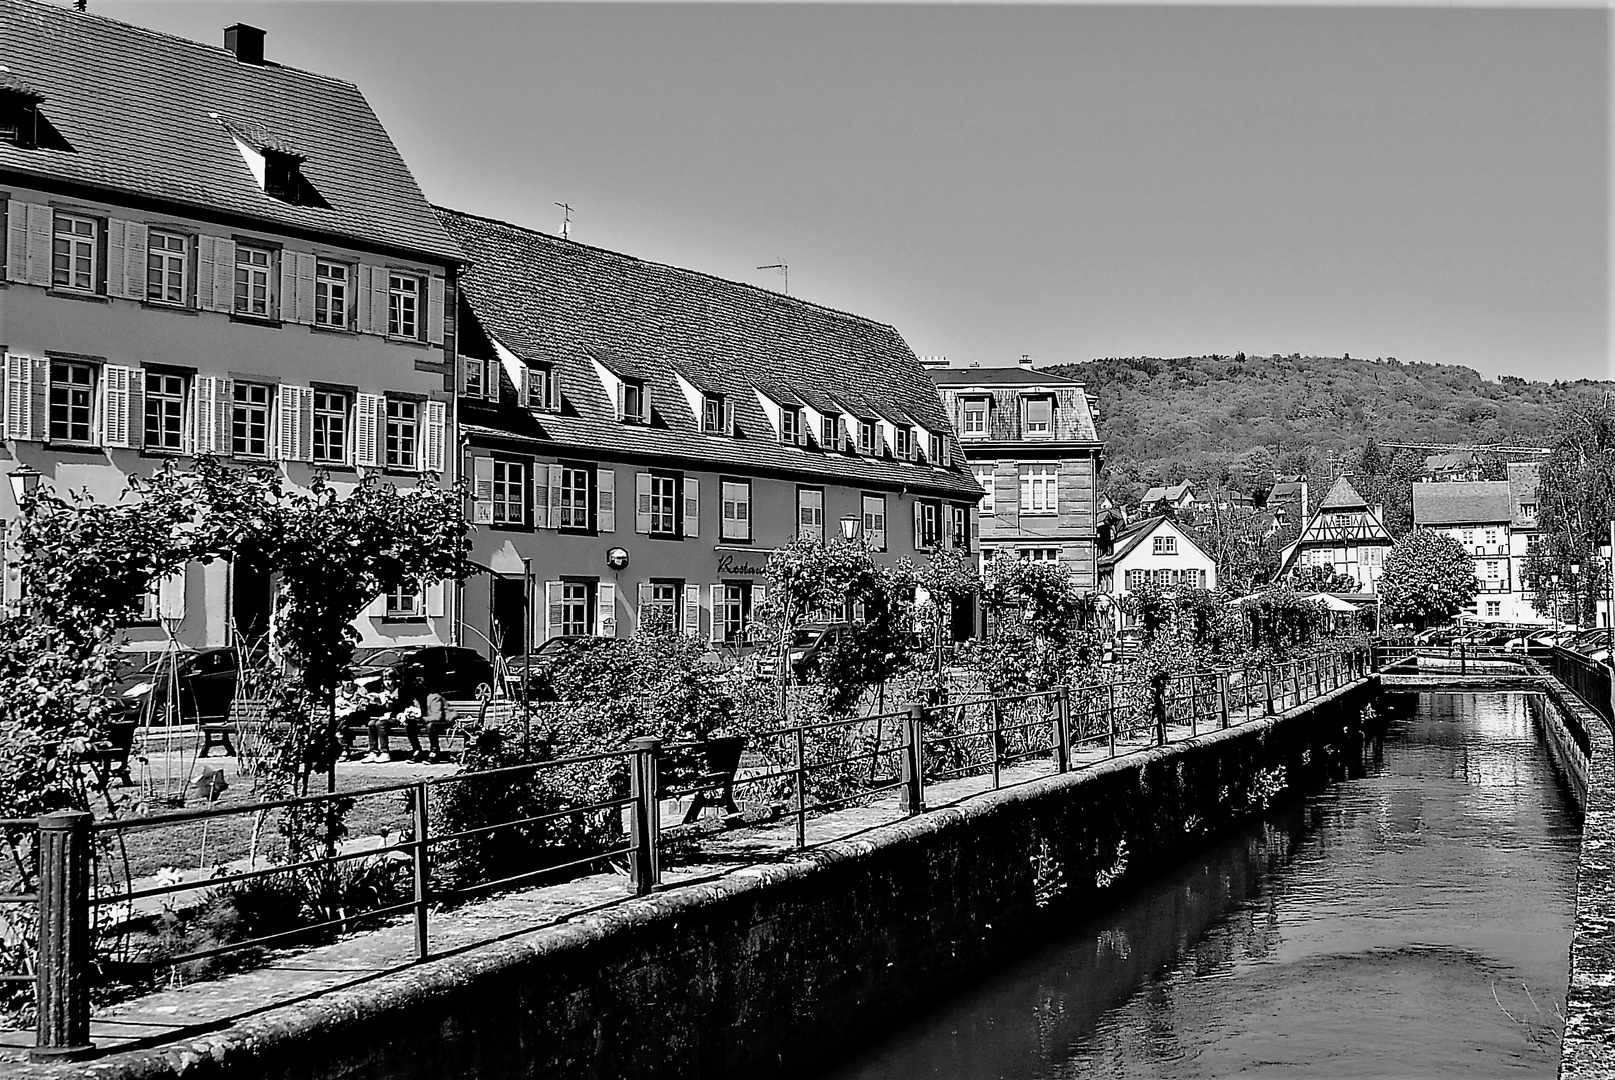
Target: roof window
[(19, 111), (275, 164)]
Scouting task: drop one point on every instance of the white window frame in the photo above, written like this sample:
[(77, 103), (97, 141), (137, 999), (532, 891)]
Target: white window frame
[(77, 401), (252, 275), (577, 608), (404, 602), (985, 478), (976, 407), (573, 497), (735, 602), (734, 510), (712, 414), (633, 401), (666, 513), (79, 242), (402, 435), (1040, 489), (404, 293), (866, 436), (874, 521), (1046, 429), (333, 294), (790, 425), (164, 404), (245, 408), (324, 416), (164, 261), (1164, 545), (509, 492), (829, 428)]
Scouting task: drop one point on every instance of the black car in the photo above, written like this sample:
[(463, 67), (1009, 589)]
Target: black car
[(205, 680), (538, 667), (449, 670)]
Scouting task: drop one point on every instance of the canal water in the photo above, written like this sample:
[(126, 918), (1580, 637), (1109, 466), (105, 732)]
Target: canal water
[(1410, 920)]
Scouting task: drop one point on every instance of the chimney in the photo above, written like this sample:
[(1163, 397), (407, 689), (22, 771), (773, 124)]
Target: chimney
[(1026, 361), (247, 42)]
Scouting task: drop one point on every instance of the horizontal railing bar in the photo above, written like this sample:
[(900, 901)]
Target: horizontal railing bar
[(467, 890), (249, 875), (550, 815), (237, 946)]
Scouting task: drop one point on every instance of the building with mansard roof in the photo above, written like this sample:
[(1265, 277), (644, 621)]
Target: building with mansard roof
[(207, 251), (1345, 534), (641, 436), (1495, 521)]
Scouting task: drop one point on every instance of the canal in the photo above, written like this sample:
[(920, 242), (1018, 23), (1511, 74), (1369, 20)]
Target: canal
[(1411, 919)]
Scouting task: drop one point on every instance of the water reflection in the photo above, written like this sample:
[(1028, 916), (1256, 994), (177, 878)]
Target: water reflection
[(1362, 931)]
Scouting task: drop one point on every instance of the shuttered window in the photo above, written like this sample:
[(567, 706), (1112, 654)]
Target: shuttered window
[(255, 275), (72, 402), (165, 411), (330, 427), (249, 420), (168, 267), (404, 306), (333, 303), (403, 433), (75, 253)]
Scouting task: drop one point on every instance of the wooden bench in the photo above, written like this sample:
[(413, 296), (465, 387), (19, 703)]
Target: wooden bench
[(464, 719), (245, 719), (109, 757), (707, 771)]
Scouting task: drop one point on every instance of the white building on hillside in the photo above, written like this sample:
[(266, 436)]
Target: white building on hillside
[(1155, 550)]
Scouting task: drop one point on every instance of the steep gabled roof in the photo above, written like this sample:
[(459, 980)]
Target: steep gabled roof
[(1524, 477), (554, 302), (1342, 496), (1480, 502), (149, 115), (1136, 533)]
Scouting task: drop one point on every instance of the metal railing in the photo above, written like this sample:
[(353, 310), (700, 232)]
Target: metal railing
[(1588, 679), (809, 769)]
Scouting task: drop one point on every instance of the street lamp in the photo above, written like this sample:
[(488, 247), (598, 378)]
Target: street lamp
[(24, 483), (1553, 602), (1575, 591)]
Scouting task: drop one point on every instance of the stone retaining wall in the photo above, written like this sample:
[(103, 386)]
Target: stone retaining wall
[(770, 970)]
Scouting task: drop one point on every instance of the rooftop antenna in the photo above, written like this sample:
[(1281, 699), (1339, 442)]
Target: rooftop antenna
[(566, 220), (783, 269)]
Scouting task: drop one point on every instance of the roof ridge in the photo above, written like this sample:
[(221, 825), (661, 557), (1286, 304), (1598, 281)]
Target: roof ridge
[(850, 315), (268, 65)]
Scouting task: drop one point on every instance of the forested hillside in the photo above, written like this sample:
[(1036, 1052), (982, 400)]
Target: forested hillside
[(1234, 420)]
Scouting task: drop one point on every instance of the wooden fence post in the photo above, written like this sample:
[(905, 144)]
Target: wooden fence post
[(63, 986), (913, 792), (1062, 729), (646, 866)]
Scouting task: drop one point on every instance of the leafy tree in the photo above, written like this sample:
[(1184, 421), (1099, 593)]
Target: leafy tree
[(1323, 579), (1037, 597), (1576, 502), (1428, 578)]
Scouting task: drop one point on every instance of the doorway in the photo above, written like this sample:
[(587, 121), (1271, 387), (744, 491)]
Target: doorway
[(509, 630), (251, 600)]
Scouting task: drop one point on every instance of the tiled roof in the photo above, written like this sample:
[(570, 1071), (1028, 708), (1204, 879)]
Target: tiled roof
[(1135, 534), (552, 301), (983, 376), (1342, 496), (1286, 489), (1523, 479), (1171, 494), (145, 114), (1456, 503)]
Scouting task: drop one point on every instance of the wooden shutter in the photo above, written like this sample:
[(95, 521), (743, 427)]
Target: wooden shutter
[(16, 240), (728, 416), (606, 603), (136, 240), (305, 422), (361, 296), (368, 418), (19, 396), (482, 490), (39, 398), (117, 278), (644, 600), (975, 532), (919, 525), (553, 613), (224, 274), (715, 613), (642, 502), (380, 278), (41, 222), (621, 404), (115, 382), (434, 596), (204, 421), (307, 265), (286, 303), (435, 437), (692, 506), (692, 611), (434, 309), (552, 389), (605, 507), (290, 422), (203, 286), (543, 498), (553, 474)]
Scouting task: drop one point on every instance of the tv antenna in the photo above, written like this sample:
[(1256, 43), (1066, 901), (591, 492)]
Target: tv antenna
[(784, 270), (566, 220)]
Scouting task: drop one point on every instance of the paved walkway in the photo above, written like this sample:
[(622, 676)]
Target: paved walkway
[(191, 1011)]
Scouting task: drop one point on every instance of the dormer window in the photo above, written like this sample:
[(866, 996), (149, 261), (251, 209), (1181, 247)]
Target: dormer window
[(830, 432), (1039, 417), (791, 426), (903, 443), (975, 418), (866, 436), (937, 445), (717, 415), (632, 406), (19, 118), (283, 176)]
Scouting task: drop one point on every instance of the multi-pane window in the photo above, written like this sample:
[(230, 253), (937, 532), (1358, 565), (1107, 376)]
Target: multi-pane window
[(405, 602), (1039, 417), (255, 275), (874, 507), (984, 477), (249, 420), (74, 251), (574, 497), (403, 418), (72, 401), (330, 426), (866, 436), (1527, 511), (1050, 555), (829, 426), (664, 505), (810, 513), (165, 411), (959, 526), (929, 532), (633, 401), (790, 425), (1164, 545), (509, 492), (332, 283), (1491, 536), (975, 417), (712, 414), (1039, 490), (1494, 608), (1494, 569), (664, 597), (1136, 579), (575, 619), (734, 611), (736, 510), (167, 267), (404, 305), (903, 442), (936, 449)]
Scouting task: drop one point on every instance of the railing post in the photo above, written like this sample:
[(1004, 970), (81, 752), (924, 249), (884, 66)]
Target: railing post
[(1463, 658), (998, 723), (1110, 717), (423, 868), (801, 791), (64, 937), (913, 801), (1222, 697), (1062, 729), (1268, 675), (1194, 706), (646, 866)]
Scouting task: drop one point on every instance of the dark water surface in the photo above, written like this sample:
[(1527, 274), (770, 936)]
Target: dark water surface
[(1360, 931)]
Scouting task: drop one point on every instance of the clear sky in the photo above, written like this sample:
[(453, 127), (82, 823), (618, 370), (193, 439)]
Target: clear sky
[(1064, 181)]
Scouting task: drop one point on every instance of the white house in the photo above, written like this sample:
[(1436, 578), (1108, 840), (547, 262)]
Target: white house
[(1156, 549)]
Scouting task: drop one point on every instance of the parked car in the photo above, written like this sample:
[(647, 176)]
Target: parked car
[(205, 679), (812, 644), (538, 667), (1530, 639), (449, 670)]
